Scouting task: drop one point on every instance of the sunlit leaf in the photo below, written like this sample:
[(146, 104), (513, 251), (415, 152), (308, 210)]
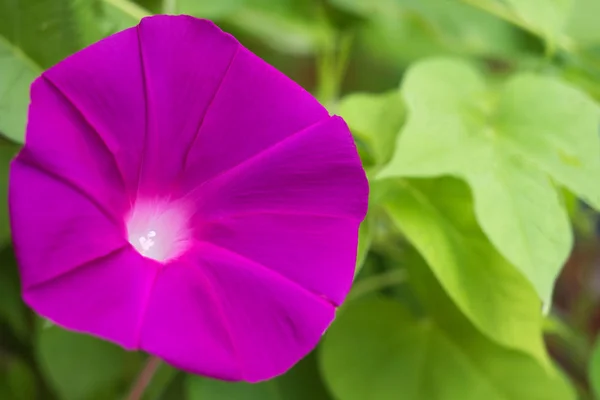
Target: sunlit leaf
[(18, 71), (508, 144), (436, 216), (365, 237), (376, 119), (583, 22), (547, 17)]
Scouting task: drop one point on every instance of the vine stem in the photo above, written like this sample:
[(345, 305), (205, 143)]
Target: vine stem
[(372, 284), (145, 376)]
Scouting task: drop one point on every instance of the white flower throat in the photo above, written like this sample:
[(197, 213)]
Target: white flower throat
[(158, 229), (146, 242)]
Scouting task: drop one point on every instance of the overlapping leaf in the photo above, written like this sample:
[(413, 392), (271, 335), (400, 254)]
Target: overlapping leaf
[(547, 17), (375, 119), (508, 144), (582, 24), (437, 218), (365, 237)]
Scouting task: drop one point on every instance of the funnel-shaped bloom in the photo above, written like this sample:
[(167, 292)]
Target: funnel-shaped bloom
[(178, 195)]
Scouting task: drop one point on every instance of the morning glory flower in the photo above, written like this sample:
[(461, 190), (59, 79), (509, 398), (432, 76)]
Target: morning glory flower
[(177, 194)]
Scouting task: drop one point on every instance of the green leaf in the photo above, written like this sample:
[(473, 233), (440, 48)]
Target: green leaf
[(546, 17), (17, 381), (436, 216), (18, 71), (12, 308), (7, 152), (464, 29), (505, 144), (376, 350), (376, 119), (412, 29), (300, 383), (583, 22), (77, 365), (365, 238), (155, 6), (46, 31), (202, 388), (555, 126), (594, 369)]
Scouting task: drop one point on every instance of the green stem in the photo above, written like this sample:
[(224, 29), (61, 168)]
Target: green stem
[(332, 62), (374, 283), (143, 380), (345, 49), (571, 349)]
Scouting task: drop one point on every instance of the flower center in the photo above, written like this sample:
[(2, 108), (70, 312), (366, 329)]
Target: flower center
[(159, 229)]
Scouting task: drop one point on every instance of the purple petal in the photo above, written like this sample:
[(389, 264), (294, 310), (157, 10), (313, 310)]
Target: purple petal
[(171, 142), (185, 60), (185, 325), (312, 251), (314, 172), (255, 107), (103, 297), (55, 227), (272, 321), (60, 142), (105, 83)]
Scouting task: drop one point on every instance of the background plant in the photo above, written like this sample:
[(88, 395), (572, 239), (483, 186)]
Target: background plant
[(478, 124)]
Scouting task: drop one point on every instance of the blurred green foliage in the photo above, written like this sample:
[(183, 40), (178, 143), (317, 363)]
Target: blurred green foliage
[(477, 122)]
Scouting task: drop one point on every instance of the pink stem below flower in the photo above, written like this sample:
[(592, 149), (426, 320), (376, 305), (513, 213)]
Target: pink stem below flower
[(144, 378)]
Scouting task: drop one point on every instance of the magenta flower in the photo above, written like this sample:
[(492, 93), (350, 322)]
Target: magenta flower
[(177, 194)]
